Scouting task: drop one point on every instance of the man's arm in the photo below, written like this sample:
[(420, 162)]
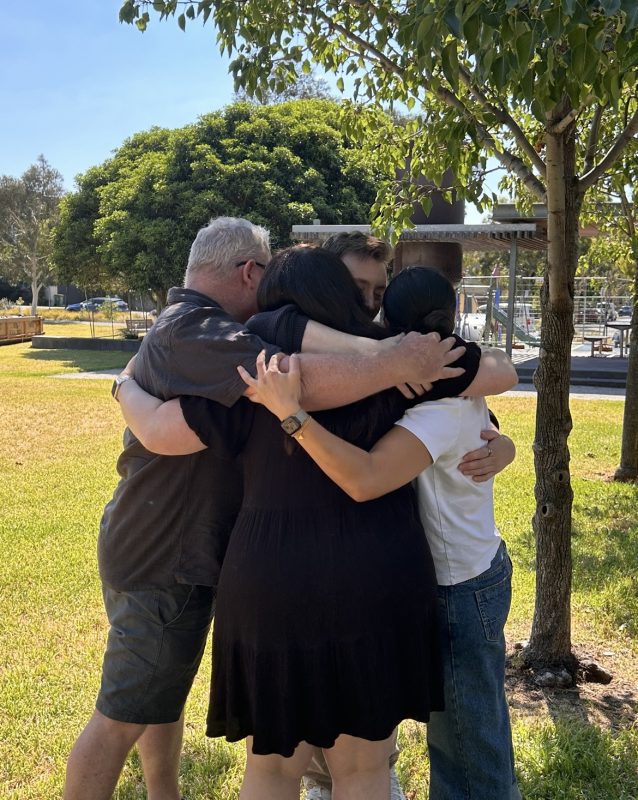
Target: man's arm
[(338, 380), (319, 338), (496, 374)]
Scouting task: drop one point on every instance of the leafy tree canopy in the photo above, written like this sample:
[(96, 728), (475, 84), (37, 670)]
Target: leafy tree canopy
[(132, 219), (481, 77)]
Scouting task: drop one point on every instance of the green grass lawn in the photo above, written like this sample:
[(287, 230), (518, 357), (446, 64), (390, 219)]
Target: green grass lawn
[(59, 441)]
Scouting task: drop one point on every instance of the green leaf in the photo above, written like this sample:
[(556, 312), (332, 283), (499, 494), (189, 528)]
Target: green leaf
[(340, 84), (568, 7), (471, 32), (632, 15), (524, 49), (499, 72), (424, 31), (450, 64), (553, 21), (181, 21), (454, 24), (610, 7)]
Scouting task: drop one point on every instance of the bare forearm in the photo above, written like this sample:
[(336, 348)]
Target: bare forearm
[(331, 381), (159, 426), (350, 467), (496, 374), (319, 338)]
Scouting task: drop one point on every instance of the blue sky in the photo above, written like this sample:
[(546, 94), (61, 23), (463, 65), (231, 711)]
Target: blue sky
[(74, 82)]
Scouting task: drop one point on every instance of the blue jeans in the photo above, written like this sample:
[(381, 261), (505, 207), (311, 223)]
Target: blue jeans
[(470, 743)]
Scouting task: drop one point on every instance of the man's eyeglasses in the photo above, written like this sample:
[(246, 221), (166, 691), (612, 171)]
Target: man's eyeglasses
[(259, 264)]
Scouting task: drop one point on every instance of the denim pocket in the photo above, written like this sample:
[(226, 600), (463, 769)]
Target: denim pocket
[(494, 606)]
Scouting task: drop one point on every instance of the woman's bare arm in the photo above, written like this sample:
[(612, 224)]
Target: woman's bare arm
[(395, 459), (159, 425), (496, 374)]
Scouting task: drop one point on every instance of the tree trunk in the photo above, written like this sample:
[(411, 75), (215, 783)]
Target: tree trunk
[(550, 640), (35, 291), (161, 298), (628, 469)]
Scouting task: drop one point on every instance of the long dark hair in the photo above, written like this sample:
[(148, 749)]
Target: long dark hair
[(420, 299), (320, 285)]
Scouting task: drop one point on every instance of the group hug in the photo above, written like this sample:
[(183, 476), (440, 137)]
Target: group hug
[(307, 468)]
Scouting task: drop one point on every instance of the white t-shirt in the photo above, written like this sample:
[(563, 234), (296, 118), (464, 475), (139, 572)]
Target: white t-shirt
[(457, 512)]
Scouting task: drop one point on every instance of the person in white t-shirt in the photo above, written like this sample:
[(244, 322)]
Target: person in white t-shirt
[(469, 743)]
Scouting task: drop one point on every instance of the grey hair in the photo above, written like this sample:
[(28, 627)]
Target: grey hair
[(226, 242)]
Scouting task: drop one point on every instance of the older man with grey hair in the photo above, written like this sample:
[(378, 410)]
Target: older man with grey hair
[(164, 533)]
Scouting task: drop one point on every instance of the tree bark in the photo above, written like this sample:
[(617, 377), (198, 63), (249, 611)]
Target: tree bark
[(35, 291), (550, 640), (628, 469)]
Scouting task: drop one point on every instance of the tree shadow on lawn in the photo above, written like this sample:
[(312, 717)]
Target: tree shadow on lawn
[(83, 360)]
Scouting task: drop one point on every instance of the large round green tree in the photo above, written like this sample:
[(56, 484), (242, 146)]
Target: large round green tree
[(132, 220)]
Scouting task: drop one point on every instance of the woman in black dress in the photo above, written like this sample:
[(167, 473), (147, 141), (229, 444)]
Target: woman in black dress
[(325, 632)]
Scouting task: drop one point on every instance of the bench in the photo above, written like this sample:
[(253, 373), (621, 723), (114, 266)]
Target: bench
[(138, 325), (599, 341)]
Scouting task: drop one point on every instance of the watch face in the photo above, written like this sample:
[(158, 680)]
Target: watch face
[(291, 424)]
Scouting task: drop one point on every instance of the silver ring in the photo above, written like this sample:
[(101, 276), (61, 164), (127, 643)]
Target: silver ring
[(489, 451)]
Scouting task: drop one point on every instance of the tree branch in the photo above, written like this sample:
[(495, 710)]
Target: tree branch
[(592, 140), (506, 119), (562, 125), (614, 152), (511, 162)]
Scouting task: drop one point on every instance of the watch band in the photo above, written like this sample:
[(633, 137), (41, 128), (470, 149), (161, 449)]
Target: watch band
[(117, 383), (295, 423)]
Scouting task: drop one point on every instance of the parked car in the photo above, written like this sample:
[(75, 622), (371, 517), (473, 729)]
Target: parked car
[(589, 314), (95, 303), (625, 311)]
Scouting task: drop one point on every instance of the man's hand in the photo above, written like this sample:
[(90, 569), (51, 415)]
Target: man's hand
[(421, 360), (486, 462)]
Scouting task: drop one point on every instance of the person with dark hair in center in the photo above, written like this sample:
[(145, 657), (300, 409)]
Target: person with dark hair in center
[(470, 743), (308, 647)]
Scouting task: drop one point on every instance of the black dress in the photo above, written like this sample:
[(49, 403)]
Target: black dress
[(325, 620)]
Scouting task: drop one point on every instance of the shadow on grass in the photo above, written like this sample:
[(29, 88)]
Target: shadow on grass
[(83, 360)]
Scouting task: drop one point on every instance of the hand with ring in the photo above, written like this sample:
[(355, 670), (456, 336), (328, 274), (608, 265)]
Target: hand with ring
[(487, 461)]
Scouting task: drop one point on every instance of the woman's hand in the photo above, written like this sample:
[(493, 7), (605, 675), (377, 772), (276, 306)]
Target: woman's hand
[(279, 391), (487, 461)]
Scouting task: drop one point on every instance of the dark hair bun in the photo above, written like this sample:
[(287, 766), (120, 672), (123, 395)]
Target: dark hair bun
[(420, 299)]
